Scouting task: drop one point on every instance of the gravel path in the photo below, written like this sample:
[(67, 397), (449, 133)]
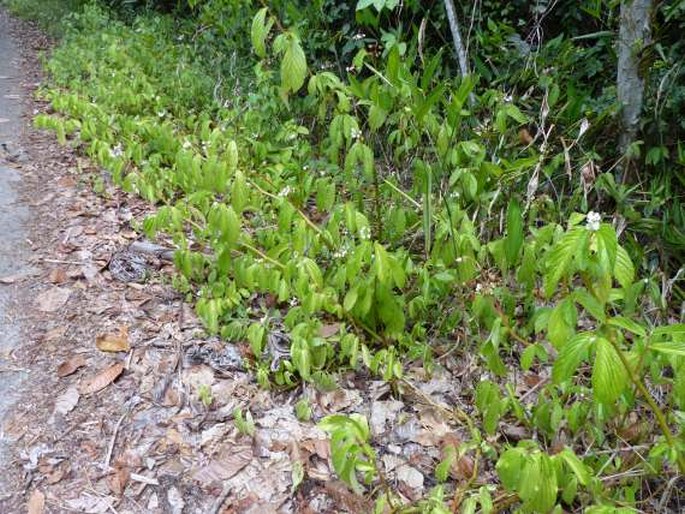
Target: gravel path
[(13, 219)]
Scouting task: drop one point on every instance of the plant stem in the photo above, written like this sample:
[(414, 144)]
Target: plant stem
[(660, 416), (264, 256)]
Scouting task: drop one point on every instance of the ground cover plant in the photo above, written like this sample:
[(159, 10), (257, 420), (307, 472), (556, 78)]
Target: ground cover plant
[(373, 209)]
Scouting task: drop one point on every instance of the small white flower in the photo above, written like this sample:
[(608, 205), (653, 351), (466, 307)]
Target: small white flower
[(117, 151), (284, 192), (593, 220), (364, 233), (584, 125), (187, 144)]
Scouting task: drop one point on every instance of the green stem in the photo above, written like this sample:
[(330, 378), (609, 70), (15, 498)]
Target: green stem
[(660, 416)]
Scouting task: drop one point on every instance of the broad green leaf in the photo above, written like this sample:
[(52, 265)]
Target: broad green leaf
[(260, 29), (609, 376), (301, 357), (351, 298), (628, 324), (559, 258), (488, 401), (669, 348), (562, 323), (509, 468), (377, 116), (675, 331), (571, 355), (382, 265), (293, 65), (607, 246), (576, 465), (624, 270), (514, 238), (590, 304), (538, 485)]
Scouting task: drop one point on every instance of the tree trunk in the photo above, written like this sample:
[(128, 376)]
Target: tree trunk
[(633, 36)]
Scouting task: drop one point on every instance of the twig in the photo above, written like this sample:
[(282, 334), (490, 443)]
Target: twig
[(143, 479), (57, 261), (110, 449)]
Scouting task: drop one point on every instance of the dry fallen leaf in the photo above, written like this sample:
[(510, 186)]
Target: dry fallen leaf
[(52, 299), (91, 503), (70, 365), (36, 503), (225, 466), (66, 402), (118, 480), (113, 342), (327, 331), (57, 276), (103, 379)]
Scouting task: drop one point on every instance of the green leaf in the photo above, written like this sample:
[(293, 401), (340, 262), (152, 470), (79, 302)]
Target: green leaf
[(538, 485), (488, 402), (377, 116), (628, 324), (624, 270), (562, 323), (260, 29), (509, 468), (559, 258), (609, 376), (676, 331), (669, 348), (607, 246), (301, 357), (293, 64), (575, 465), (571, 355), (590, 304), (514, 237)]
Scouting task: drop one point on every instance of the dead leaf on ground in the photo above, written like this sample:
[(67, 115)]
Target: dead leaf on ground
[(36, 503), (117, 342), (70, 365), (329, 330), (90, 503), (66, 402), (118, 480), (53, 299), (225, 466), (103, 379), (57, 276)]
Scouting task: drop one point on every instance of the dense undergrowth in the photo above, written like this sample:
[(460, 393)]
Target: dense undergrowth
[(416, 214)]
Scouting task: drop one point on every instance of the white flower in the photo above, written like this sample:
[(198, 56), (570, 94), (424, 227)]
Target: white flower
[(117, 151), (593, 220), (364, 232), (284, 192)]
